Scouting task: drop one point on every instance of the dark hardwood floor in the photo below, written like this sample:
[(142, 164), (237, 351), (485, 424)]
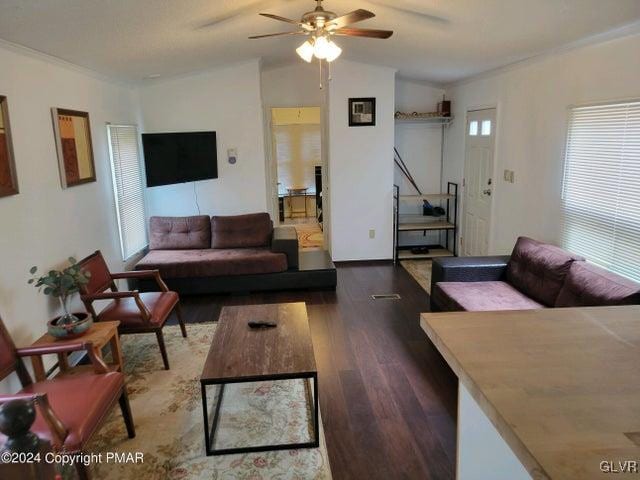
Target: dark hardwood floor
[(387, 398)]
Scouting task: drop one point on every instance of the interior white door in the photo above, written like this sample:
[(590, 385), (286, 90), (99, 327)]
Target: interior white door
[(478, 181)]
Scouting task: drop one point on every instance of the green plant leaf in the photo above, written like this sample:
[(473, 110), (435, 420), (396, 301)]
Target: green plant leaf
[(72, 260), (47, 290), (33, 270), (30, 281)]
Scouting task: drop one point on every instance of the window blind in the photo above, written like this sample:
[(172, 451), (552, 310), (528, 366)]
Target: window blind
[(128, 188), (298, 151), (601, 187)]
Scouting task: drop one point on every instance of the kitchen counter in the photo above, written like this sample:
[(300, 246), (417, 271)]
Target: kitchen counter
[(551, 393)]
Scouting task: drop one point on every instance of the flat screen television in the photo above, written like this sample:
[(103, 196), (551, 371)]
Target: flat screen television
[(179, 157)]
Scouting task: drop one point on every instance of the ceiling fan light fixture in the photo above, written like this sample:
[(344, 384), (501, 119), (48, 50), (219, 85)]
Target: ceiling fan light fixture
[(305, 51), (321, 48), (333, 52)]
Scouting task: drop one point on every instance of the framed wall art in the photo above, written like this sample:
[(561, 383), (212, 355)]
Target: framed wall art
[(8, 177), (362, 112), (72, 132)]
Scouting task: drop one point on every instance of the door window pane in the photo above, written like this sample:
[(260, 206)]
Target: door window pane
[(486, 127)]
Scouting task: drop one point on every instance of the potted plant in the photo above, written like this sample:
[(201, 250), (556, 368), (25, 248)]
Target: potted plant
[(63, 285)]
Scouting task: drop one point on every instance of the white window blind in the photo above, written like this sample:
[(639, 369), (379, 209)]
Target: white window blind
[(601, 188), (128, 188)]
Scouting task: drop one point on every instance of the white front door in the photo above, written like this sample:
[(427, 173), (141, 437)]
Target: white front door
[(478, 181)]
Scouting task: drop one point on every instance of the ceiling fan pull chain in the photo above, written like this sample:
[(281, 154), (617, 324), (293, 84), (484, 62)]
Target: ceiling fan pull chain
[(329, 67), (320, 65)]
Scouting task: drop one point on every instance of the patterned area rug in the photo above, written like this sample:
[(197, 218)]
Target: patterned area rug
[(420, 270), (167, 410), (310, 236)]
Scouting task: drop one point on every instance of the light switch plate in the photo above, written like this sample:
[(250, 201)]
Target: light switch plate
[(509, 176)]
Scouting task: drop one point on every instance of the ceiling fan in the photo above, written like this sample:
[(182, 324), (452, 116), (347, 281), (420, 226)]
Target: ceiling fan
[(320, 25)]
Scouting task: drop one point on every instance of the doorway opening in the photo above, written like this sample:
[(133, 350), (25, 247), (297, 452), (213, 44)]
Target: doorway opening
[(297, 150), (479, 181)]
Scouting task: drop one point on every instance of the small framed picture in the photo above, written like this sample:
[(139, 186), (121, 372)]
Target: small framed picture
[(8, 178), (73, 142), (362, 112)]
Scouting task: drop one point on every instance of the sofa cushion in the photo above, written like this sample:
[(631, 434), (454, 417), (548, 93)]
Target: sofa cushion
[(481, 296), (590, 286), (179, 233), (538, 270), (213, 263), (241, 231)]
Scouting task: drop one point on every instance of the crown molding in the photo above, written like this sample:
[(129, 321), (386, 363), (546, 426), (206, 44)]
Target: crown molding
[(627, 30), (59, 62), (203, 71)]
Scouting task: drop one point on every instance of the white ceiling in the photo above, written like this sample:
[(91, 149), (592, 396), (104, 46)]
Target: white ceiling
[(440, 41)]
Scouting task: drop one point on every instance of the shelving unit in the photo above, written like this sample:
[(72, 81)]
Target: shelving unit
[(444, 121), (412, 223)]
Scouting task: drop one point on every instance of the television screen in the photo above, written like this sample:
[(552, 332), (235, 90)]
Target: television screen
[(179, 157)]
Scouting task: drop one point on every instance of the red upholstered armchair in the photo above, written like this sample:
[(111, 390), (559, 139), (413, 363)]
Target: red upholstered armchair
[(137, 312), (69, 408)]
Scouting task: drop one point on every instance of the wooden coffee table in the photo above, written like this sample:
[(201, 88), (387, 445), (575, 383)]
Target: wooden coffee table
[(242, 354)]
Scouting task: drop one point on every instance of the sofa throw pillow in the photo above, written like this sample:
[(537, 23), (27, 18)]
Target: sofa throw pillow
[(241, 231), (590, 286), (179, 233), (538, 269)]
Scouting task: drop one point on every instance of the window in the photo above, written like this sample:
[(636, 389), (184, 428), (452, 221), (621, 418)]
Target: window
[(486, 128), (601, 188), (473, 128), (128, 188)]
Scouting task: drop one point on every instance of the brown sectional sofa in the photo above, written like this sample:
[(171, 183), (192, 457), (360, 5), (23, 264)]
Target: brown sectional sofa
[(209, 255), (536, 275)]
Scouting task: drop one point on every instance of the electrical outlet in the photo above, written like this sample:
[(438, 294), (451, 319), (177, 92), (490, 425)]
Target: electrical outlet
[(372, 233)]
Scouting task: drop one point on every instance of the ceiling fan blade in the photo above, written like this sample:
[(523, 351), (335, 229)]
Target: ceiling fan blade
[(363, 32), (301, 32), (352, 17), (282, 19)]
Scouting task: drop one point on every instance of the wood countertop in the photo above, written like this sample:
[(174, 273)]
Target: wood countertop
[(562, 386)]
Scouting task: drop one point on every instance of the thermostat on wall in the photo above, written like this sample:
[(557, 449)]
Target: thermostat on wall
[(232, 155)]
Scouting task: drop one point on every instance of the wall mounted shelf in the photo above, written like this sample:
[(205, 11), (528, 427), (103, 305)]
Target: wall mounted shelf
[(435, 121)]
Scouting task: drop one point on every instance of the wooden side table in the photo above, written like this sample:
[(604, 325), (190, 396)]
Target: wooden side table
[(100, 334)]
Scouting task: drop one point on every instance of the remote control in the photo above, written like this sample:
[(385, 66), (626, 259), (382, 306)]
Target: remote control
[(261, 324)]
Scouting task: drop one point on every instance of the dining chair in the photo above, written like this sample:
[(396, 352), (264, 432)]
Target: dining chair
[(69, 408), (137, 312)]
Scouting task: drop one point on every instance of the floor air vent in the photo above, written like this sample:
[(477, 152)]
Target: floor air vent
[(386, 296)]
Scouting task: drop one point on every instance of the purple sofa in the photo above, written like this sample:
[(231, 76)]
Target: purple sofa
[(536, 275), (206, 255)]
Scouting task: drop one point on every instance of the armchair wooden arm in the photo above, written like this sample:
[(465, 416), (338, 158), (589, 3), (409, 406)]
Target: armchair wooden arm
[(144, 311), (58, 431), (99, 366), (155, 274)]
